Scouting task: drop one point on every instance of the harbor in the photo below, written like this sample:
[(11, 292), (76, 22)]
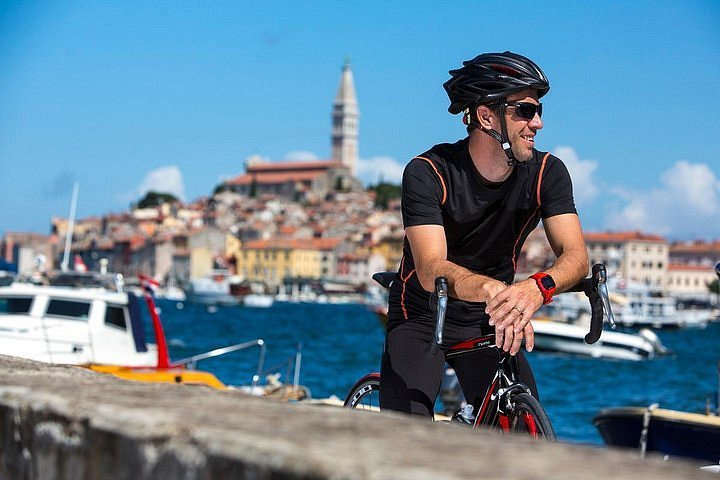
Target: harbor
[(340, 343), (204, 207)]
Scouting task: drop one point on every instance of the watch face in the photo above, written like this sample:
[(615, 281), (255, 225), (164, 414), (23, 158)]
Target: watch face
[(548, 282)]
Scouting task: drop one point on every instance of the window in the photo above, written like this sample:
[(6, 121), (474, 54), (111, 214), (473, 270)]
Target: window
[(15, 305), (115, 316), (68, 309)]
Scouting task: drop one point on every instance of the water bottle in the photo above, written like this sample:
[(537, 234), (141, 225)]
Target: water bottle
[(465, 415)]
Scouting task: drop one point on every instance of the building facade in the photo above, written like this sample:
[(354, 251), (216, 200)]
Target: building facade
[(635, 256)]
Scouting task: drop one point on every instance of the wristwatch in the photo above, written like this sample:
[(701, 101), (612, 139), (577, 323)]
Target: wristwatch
[(546, 284)]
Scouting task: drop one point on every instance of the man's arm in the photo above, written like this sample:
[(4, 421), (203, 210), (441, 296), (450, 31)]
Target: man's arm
[(429, 250), (511, 310)]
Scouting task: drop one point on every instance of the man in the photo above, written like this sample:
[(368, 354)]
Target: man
[(467, 209)]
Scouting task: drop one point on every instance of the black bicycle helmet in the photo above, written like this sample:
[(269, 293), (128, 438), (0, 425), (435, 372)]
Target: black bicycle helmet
[(490, 77)]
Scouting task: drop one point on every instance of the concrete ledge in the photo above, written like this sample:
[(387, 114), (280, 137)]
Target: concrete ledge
[(68, 423)]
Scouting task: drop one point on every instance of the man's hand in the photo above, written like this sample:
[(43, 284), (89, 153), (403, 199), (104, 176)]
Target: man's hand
[(510, 312)]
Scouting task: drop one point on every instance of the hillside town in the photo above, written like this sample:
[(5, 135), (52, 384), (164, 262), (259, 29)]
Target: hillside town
[(283, 224)]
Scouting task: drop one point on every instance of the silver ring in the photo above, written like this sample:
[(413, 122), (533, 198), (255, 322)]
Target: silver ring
[(521, 312)]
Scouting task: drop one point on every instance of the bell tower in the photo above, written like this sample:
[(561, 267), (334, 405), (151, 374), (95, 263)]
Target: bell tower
[(345, 120)]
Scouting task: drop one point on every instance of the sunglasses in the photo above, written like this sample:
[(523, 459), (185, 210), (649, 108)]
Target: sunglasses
[(526, 110)]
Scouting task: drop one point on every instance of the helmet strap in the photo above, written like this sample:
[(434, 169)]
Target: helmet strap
[(502, 138)]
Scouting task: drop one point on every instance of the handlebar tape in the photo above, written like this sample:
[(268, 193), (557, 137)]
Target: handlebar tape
[(596, 318), (589, 287)]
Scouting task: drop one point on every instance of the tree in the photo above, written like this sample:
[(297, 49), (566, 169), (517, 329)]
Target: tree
[(714, 287), (384, 192), (222, 187), (155, 199)]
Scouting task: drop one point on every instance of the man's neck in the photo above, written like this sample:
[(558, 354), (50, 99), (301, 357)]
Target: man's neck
[(488, 157)]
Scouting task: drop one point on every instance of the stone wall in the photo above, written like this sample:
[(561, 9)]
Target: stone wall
[(67, 423)]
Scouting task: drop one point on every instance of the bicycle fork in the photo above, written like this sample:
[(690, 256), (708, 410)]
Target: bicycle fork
[(496, 406)]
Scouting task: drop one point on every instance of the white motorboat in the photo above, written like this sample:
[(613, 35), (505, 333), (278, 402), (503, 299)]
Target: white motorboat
[(88, 319), (74, 320), (561, 327), (553, 336), (258, 300), (215, 288)]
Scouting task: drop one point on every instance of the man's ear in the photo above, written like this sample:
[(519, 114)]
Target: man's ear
[(485, 117)]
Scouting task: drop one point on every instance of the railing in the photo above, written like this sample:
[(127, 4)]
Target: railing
[(191, 362)]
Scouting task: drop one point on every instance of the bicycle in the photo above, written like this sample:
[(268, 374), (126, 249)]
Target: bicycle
[(507, 404)]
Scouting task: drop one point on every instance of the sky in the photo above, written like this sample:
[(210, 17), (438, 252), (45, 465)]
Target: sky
[(129, 96)]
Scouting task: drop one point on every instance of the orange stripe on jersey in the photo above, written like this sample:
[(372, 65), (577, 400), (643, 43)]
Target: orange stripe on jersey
[(542, 169), (537, 209), (402, 295), (442, 182)]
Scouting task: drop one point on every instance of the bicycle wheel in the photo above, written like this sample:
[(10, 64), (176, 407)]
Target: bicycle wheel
[(365, 394), (528, 417)]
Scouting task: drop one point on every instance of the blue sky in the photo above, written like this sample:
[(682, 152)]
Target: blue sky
[(127, 96)]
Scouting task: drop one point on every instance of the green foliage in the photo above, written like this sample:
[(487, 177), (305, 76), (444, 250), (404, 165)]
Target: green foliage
[(154, 199), (384, 192), (714, 287), (220, 188)]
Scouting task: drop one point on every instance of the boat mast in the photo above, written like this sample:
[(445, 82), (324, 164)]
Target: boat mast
[(70, 226)]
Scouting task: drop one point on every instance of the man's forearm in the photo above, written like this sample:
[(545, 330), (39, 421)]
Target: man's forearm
[(463, 283)]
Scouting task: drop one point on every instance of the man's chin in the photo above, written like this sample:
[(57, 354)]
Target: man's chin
[(523, 158)]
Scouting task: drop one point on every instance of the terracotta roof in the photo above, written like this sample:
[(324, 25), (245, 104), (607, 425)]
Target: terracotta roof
[(696, 268), (695, 247), (274, 178), (292, 166), (621, 237)]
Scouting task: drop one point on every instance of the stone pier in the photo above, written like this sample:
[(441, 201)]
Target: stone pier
[(68, 423)]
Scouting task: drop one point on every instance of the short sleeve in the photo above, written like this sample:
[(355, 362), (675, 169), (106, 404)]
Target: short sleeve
[(423, 193), (556, 192)]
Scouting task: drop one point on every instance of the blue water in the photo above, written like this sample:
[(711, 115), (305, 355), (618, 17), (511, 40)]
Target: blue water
[(340, 343)]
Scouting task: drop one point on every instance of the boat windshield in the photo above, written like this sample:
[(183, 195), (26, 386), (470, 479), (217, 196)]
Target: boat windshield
[(15, 305)]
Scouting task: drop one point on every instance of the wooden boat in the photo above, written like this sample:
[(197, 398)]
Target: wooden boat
[(669, 432)]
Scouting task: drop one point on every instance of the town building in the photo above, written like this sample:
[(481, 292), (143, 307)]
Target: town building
[(28, 251), (689, 281), (695, 253), (275, 260), (635, 256), (311, 181)]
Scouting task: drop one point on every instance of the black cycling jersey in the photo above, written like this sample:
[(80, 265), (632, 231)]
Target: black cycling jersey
[(485, 223)]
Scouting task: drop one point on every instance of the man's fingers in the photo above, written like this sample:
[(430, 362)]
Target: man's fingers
[(509, 339), (506, 316), (521, 322), (516, 344), (529, 337)]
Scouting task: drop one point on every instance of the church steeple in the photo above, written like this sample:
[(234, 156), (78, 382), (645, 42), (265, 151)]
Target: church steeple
[(345, 119)]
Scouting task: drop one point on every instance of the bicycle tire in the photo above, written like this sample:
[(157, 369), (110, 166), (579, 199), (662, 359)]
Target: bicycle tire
[(528, 417), (365, 394)]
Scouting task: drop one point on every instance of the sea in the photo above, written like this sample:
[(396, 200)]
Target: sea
[(340, 343)]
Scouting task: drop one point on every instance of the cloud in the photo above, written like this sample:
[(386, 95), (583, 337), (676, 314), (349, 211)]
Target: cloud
[(372, 170), (585, 187), (164, 180), (686, 205)]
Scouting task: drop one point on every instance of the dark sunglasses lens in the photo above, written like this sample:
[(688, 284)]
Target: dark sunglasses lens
[(528, 110)]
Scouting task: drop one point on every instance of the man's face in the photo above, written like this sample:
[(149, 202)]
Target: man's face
[(522, 131)]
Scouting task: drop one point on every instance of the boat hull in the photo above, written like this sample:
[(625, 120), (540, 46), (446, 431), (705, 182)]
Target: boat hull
[(567, 338), (669, 432)]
